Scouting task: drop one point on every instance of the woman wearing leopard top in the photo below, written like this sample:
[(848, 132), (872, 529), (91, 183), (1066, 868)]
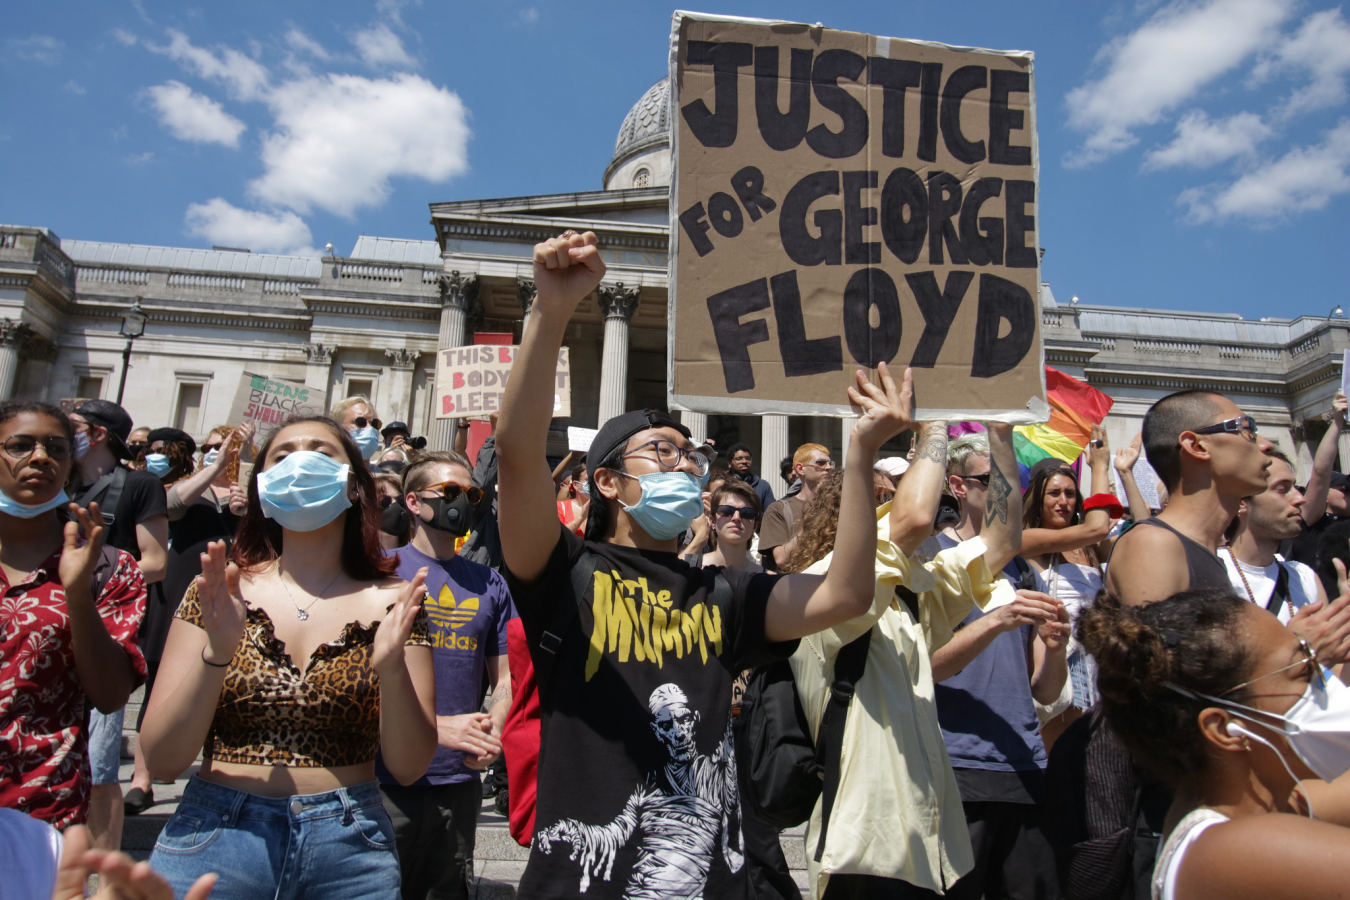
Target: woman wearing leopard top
[(289, 668)]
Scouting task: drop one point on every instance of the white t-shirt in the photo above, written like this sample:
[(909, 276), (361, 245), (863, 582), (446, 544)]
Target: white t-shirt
[(1302, 582), (29, 852)]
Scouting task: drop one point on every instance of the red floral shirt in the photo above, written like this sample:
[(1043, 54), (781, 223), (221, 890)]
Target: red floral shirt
[(44, 764)]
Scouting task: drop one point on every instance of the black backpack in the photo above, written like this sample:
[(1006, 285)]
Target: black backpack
[(785, 771)]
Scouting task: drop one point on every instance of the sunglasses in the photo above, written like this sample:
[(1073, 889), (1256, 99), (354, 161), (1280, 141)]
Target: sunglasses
[(136, 447), (362, 422), (21, 446), (982, 479), (207, 448), (1243, 425), (386, 502), (748, 513), (451, 491)]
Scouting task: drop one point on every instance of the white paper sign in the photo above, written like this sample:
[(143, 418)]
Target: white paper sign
[(579, 439), (1145, 478), (1345, 373)]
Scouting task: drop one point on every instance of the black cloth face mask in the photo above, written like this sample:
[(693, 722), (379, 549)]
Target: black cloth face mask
[(394, 520), (450, 516)]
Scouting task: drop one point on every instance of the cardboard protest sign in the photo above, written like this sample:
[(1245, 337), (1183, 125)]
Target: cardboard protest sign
[(267, 402), (842, 199), (579, 439), (471, 380)]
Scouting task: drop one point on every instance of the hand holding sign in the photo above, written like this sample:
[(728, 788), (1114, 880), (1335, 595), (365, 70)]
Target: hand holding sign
[(566, 269), (887, 409)]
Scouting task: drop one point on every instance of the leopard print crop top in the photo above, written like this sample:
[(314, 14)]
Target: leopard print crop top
[(271, 715)]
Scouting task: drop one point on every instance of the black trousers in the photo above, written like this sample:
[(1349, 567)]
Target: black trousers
[(1013, 861), (434, 829)]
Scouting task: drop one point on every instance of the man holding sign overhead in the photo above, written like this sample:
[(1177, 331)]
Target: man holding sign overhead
[(634, 650)]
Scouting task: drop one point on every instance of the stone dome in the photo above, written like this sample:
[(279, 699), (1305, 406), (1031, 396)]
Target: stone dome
[(642, 149)]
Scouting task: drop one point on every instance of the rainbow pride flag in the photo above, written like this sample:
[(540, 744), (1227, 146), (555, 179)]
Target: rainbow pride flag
[(1075, 407)]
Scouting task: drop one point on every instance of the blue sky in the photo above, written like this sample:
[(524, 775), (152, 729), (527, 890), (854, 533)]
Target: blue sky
[(1194, 155)]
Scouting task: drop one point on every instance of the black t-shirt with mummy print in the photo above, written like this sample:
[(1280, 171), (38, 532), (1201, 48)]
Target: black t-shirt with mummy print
[(637, 788)]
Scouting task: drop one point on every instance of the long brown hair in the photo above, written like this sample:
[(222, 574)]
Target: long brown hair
[(1033, 503), (258, 540), (820, 523)]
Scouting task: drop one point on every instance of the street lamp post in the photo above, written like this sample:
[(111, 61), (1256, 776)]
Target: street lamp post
[(1337, 312), (133, 326)]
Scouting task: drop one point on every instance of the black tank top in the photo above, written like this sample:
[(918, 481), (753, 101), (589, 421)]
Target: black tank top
[(1205, 569)]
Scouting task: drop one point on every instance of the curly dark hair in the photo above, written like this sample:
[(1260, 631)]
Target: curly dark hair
[(1189, 640), (181, 462), (820, 524), (258, 540)]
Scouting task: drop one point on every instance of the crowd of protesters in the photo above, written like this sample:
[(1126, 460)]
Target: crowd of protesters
[(359, 640)]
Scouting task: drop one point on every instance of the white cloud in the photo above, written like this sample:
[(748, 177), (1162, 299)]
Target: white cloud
[(245, 78), (36, 48), (140, 159), (380, 48), (75, 87), (303, 43), (1162, 64), (1200, 142), (226, 225), (339, 139), (191, 116), (1305, 178), (126, 37), (1320, 49), (529, 16)]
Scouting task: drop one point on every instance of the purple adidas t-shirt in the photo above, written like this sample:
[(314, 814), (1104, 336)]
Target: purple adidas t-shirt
[(468, 606)]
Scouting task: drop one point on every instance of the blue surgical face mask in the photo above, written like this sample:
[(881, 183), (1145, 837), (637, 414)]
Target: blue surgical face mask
[(209, 459), (585, 487), (157, 464), (367, 440), (670, 502), (305, 491), (11, 507), (81, 445)]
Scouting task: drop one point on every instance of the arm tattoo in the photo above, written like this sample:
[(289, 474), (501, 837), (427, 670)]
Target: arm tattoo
[(934, 447), (997, 504)]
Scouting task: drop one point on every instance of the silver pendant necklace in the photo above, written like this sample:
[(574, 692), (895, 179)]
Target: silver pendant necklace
[(302, 613)]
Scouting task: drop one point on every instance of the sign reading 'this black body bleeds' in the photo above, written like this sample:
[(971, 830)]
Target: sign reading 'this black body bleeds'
[(842, 199)]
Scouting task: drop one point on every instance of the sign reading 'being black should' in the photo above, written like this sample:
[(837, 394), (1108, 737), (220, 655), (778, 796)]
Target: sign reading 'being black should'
[(842, 200)]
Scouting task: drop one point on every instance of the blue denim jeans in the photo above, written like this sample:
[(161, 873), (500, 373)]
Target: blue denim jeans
[(335, 844)]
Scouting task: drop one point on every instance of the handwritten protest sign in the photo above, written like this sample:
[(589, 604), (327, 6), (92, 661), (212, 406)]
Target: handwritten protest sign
[(471, 380), (267, 402), (580, 439), (842, 199), (1147, 480)]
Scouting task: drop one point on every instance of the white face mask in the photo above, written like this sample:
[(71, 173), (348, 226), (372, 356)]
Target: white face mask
[(1317, 727)]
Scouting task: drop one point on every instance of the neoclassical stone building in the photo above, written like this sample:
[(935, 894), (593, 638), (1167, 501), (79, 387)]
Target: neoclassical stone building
[(371, 322)]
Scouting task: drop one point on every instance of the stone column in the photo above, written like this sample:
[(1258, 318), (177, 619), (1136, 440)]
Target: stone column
[(402, 362), (697, 423), (1303, 454), (318, 366), (13, 335), (1343, 447), (458, 294), (773, 445), (617, 303), (526, 291)]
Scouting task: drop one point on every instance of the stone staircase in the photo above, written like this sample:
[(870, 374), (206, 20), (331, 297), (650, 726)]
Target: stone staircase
[(498, 859)]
